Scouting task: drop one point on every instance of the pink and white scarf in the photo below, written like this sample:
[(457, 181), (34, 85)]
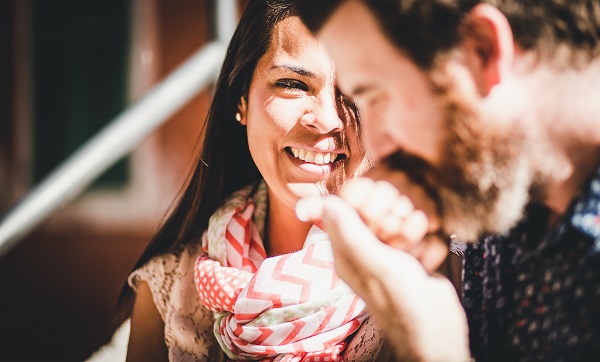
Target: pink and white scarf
[(291, 307)]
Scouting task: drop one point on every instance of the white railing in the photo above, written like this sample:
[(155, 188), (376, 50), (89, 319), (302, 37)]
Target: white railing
[(121, 135)]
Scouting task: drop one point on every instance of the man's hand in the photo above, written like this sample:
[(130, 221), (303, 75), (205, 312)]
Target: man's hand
[(420, 314)]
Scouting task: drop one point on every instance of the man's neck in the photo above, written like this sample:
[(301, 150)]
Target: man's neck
[(569, 113), (563, 190)]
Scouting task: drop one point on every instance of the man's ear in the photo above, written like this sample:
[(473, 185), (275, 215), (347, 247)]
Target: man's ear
[(489, 43), (243, 111)]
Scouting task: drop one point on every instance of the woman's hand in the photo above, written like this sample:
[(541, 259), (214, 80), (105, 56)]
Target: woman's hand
[(399, 213)]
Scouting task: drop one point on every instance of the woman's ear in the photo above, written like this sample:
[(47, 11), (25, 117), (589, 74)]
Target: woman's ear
[(488, 41), (242, 111)]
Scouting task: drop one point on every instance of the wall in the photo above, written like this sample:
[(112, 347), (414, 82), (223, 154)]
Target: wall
[(58, 286)]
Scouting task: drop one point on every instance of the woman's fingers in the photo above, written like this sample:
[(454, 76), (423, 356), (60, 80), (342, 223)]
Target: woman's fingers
[(403, 232), (416, 193), (389, 214)]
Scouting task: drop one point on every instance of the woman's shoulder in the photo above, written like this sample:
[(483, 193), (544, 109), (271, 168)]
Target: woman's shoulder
[(165, 267), (188, 325)]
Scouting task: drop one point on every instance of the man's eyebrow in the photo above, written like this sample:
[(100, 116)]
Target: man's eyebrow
[(360, 89), (300, 71)]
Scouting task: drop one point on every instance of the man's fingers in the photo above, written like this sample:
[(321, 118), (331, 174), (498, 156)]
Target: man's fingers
[(355, 248), (431, 252), (436, 253), (344, 225)]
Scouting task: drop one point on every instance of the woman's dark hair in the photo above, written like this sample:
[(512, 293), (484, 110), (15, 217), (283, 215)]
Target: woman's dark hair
[(225, 163)]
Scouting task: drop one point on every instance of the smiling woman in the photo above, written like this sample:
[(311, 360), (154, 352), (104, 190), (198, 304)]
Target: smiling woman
[(234, 234), (293, 104)]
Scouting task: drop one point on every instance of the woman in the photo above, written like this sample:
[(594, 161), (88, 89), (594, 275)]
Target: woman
[(276, 116)]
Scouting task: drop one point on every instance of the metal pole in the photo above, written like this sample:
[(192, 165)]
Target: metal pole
[(227, 19), (112, 143)]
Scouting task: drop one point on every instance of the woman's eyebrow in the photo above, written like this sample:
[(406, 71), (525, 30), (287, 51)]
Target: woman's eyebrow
[(300, 71)]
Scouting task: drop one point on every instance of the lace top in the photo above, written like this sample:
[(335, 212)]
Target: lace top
[(189, 325)]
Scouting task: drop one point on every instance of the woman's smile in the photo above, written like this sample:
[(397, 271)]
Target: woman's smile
[(315, 161)]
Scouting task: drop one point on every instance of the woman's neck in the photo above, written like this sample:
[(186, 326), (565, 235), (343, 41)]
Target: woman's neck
[(285, 233)]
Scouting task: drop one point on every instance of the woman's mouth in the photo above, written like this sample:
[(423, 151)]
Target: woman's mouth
[(317, 158)]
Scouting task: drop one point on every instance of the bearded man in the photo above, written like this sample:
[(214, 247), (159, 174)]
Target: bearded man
[(485, 116)]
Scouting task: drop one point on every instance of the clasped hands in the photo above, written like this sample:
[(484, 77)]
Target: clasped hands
[(387, 247)]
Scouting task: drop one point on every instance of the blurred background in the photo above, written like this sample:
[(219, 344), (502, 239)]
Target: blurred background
[(67, 67)]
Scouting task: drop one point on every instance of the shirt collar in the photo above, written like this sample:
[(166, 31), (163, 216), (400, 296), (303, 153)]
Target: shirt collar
[(583, 216), (586, 211)]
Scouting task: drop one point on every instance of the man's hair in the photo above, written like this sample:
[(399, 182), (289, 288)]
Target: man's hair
[(425, 28)]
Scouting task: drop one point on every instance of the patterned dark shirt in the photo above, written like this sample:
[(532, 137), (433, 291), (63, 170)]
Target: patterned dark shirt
[(535, 296)]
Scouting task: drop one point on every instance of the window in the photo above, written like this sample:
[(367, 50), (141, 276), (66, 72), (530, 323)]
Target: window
[(79, 80)]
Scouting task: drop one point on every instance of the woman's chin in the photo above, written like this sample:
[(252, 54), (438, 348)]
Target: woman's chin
[(306, 189)]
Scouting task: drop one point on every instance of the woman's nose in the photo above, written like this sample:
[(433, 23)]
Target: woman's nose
[(324, 117)]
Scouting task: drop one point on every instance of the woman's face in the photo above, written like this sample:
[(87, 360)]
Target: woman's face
[(298, 133)]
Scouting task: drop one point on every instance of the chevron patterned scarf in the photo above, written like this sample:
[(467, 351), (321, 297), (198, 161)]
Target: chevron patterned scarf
[(291, 307)]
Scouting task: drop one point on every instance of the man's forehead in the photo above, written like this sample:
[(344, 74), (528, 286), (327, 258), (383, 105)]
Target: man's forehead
[(345, 27), (354, 41)]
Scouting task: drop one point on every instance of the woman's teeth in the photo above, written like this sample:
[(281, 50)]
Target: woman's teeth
[(314, 157)]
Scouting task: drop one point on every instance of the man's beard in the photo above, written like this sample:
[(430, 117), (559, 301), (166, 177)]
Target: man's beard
[(484, 180)]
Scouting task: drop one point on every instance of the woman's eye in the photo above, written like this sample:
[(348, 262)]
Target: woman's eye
[(292, 84)]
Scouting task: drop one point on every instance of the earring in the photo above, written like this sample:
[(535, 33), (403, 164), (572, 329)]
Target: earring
[(238, 117)]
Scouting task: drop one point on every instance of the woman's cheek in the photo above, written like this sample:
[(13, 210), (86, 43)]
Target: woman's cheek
[(285, 113)]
